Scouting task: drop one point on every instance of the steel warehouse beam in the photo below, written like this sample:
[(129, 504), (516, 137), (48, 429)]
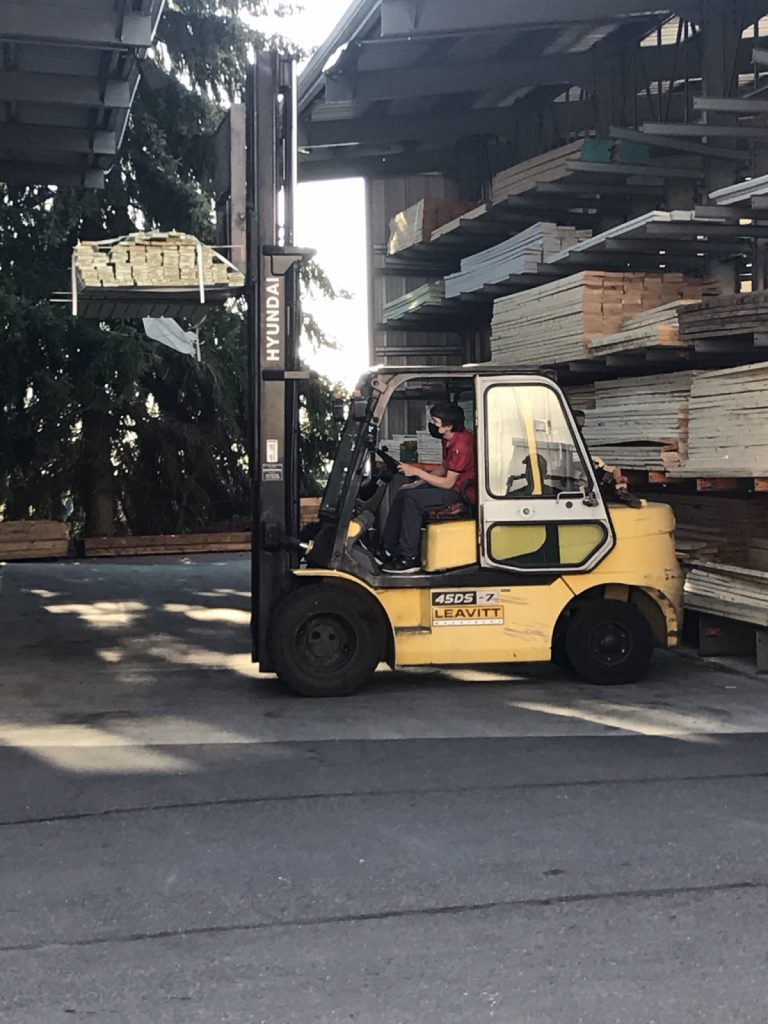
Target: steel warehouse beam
[(713, 131), (19, 139), (480, 77), (678, 145), (452, 79), (418, 17), (50, 22), (50, 174), (714, 105), (388, 129), (64, 90)]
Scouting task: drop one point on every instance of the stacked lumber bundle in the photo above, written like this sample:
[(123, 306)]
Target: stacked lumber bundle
[(715, 528), (310, 510), (635, 228), (725, 316), (520, 254), (153, 259), (429, 449), (557, 322), (549, 167), (21, 541), (656, 328), (729, 423), (741, 192), (167, 544), (641, 423), (427, 295), (456, 222), (635, 457), (728, 591), (418, 222)]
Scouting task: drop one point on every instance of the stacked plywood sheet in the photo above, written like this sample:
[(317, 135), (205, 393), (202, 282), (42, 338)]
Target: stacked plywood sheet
[(549, 167), (427, 295), (35, 539), (716, 528), (729, 423), (641, 423), (725, 316), (556, 322), (155, 259), (728, 591), (656, 328), (520, 254), (418, 222), (581, 396)]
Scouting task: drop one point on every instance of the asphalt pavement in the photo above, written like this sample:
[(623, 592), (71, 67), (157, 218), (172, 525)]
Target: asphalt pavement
[(182, 841)]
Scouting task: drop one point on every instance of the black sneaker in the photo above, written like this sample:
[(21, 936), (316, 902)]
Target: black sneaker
[(403, 565), (383, 557)]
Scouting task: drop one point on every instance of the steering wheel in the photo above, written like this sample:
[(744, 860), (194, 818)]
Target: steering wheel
[(372, 494), (390, 465)]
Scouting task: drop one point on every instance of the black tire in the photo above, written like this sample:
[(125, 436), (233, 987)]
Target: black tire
[(609, 643), (326, 640)]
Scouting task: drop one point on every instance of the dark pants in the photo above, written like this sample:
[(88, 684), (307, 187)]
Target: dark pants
[(403, 527)]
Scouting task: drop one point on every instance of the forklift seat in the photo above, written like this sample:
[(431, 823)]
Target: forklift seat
[(464, 509)]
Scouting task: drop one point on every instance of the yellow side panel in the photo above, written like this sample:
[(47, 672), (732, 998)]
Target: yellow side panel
[(512, 624), (450, 545), (644, 557)]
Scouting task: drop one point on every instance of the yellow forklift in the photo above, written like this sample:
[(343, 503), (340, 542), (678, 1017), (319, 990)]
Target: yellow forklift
[(542, 566)]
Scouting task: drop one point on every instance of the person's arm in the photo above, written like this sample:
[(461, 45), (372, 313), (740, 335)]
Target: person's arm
[(442, 477)]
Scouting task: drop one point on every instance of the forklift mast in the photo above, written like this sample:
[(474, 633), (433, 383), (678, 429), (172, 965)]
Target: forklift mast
[(274, 328)]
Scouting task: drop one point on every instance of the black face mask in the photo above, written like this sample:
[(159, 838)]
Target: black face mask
[(434, 431)]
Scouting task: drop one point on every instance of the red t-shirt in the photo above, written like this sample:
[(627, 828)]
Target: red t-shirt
[(459, 457)]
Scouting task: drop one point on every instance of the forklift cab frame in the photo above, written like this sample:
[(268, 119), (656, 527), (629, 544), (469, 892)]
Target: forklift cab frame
[(533, 522)]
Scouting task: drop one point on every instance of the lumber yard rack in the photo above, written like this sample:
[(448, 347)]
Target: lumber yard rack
[(584, 190)]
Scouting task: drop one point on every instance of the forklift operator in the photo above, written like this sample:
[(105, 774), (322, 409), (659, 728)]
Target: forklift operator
[(445, 486)]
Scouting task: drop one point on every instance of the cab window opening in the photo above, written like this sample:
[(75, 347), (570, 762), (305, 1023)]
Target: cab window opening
[(531, 450)]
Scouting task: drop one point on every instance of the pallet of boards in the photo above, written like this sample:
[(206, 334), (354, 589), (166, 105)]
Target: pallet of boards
[(641, 422), (557, 322), (167, 544), (728, 591), (418, 222), (655, 328), (718, 528), (152, 259), (31, 539), (725, 316), (427, 295), (520, 254), (728, 431)]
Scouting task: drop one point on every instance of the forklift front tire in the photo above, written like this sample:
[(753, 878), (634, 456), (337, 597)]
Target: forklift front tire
[(326, 641), (609, 643)]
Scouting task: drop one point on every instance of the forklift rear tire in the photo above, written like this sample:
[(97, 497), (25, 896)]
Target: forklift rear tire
[(326, 641), (609, 643)]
